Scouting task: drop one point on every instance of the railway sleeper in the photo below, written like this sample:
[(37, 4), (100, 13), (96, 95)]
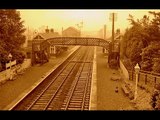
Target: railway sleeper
[(43, 99), (40, 103), (76, 100), (78, 93), (77, 97), (75, 103), (38, 107), (46, 97), (73, 108)]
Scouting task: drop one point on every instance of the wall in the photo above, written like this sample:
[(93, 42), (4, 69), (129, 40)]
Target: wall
[(18, 69), (124, 71)]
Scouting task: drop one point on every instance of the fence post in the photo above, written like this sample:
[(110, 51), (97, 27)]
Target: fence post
[(145, 79), (155, 80), (132, 75)]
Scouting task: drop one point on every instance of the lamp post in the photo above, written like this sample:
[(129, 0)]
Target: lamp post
[(10, 58), (137, 69)]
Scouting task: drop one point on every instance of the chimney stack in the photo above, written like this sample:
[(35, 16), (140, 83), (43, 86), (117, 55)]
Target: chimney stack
[(47, 30), (52, 30)]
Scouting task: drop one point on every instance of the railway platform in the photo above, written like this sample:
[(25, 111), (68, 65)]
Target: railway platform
[(13, 91), (107, 84), (106, 93)]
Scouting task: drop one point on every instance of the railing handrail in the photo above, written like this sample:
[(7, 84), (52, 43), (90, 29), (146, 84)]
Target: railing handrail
[(148, 73), (152, 73)]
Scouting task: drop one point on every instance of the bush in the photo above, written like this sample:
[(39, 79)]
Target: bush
[(127, 63), (155, 98)]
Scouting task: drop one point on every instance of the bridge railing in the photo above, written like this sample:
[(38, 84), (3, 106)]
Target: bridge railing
[(85, 41)]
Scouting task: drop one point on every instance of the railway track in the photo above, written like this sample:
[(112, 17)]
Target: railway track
[(67, 88)]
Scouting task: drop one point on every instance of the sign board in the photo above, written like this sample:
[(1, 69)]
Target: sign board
[(12, 63)]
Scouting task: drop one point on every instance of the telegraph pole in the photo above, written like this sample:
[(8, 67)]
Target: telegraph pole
[(62, 31), (113, 27), (104, 36), (113, 18), (104, 31)]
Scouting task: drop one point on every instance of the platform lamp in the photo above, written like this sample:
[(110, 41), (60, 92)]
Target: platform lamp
[(10, 58), (137, 69)]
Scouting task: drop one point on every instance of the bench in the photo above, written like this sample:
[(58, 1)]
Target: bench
[(125, 89)]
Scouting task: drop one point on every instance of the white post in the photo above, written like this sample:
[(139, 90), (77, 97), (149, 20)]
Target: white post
[(10, 58), (54, 51), (135, 95), (10, 71), (137, 68)]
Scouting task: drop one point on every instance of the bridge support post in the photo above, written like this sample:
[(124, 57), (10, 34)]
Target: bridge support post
[(54, 51), (32, 54)]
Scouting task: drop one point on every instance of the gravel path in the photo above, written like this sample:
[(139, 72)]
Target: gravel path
[(143, 98), (107, 98), (11, 90)]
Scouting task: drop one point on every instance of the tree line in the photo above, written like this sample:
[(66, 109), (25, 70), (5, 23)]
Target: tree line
[(141, 43), (11, 37)]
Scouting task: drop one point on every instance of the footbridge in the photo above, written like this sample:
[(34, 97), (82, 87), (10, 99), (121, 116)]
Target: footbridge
[(80, 41), (41, 47)]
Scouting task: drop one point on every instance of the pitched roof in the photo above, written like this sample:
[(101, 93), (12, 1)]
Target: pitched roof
[(71, 28), (47, 35)]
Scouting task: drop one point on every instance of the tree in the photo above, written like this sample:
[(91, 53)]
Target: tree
[(141, 42), (11, 35), (147, 56), (135, 39), (151, 54), (150, 57)]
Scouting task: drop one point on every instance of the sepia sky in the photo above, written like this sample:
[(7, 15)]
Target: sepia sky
[(93, 20)]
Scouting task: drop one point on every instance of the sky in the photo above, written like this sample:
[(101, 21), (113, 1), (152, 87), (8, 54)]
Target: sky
[(93, 19)]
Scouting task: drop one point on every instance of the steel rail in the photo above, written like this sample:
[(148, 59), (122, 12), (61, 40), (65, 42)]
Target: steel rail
[(76, 84), (51, 84)]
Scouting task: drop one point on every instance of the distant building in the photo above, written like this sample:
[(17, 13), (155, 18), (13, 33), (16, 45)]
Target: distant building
[(48, 34), (40, 37), (101, 33), (71, 32), (44, 36)]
